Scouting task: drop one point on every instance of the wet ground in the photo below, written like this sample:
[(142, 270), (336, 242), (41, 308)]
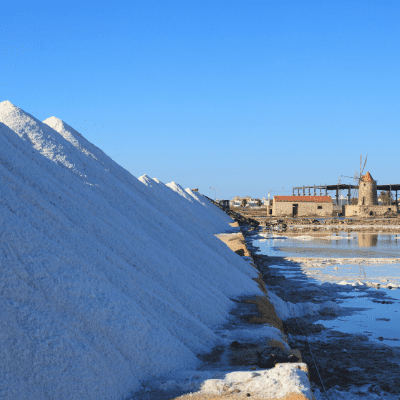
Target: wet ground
[(344, 352)]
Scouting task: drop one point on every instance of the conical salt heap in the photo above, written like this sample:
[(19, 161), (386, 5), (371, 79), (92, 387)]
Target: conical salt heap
[(104, 280)]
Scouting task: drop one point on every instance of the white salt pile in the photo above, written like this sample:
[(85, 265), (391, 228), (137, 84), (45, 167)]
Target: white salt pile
[(105, 280)]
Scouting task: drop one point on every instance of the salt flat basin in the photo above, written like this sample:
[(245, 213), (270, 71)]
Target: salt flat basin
[(366, 257), (362, 268), (326, 243)]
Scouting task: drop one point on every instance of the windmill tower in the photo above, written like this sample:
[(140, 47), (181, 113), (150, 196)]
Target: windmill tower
[(367, 193), (357, 177)]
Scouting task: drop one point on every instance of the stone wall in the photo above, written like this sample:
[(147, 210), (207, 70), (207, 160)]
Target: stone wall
[(281, 209), (369, 211), (305, 209)]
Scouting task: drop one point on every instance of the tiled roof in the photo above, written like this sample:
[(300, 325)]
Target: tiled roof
[(367, 177), (302, 199)]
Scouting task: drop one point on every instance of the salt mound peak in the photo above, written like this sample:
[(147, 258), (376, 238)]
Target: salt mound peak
[(145, 179), (179, 189), (60, 126), (40, 136), (6, 103), (174, 184), (149, 182), (9, 111), (69, 133)]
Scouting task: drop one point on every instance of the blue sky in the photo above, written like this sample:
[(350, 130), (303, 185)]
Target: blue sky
[(243, 96)]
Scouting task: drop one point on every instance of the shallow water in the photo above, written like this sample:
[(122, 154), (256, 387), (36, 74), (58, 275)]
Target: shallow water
[(349, 259), (329, 244), (364, 313)]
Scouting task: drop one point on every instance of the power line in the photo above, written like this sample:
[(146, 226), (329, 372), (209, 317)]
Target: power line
[(326, 394)]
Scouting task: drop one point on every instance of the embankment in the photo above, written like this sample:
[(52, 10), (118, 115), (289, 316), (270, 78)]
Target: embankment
[(282, 381)]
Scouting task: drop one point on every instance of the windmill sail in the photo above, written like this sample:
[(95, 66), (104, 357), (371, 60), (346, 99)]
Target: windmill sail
[(358, 177)]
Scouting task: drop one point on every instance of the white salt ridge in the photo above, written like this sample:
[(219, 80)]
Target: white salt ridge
[(103, 281), (189, 214)]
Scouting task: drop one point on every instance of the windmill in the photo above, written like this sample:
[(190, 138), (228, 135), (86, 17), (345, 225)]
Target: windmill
[(357, 177)]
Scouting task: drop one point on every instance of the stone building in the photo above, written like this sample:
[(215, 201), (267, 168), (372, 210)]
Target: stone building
[(302, 206), (368, 205)]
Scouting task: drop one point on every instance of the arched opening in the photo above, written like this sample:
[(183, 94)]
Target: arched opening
[(371, 213)]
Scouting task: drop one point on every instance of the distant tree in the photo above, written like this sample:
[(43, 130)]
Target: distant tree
[(244, 203), (258, 202), (385, 197), (354, 201)]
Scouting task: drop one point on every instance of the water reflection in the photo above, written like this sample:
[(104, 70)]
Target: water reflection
[(329, 244), (367, 239)]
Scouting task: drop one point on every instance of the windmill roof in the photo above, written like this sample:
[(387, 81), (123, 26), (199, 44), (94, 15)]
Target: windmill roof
[(367, 177), (304, 199)]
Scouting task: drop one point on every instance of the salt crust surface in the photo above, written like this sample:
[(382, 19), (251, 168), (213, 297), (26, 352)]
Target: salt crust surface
[(286, 309), (276, 382), (105, 279)]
